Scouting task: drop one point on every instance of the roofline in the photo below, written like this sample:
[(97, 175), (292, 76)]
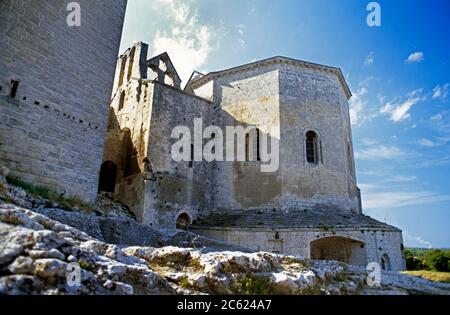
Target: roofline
[(277, 59)]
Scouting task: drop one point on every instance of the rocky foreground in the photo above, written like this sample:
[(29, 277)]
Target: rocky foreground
[(40, 244), (35, 252)]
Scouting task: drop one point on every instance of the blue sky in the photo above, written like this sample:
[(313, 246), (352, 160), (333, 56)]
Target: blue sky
[(399, 74)]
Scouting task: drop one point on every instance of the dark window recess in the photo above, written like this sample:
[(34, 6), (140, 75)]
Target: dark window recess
[(121, 100), (311, 147), (14, 87), (258, 154), (108, 176), (191, 161), (247, 147)]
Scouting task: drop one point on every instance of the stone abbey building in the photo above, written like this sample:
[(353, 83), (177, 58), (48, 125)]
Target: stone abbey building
[(57, 129), (309, 206)]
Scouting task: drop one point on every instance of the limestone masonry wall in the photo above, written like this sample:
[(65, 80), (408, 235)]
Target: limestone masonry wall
[(55, 87), (370, 245)]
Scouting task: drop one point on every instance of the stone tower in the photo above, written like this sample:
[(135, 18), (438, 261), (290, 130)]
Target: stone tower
[(55, 87)]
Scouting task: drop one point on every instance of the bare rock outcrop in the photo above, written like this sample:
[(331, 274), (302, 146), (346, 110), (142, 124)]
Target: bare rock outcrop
[(36, 255)]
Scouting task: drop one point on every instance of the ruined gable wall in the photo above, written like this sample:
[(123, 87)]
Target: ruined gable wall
[(176, 187), (52, 132)]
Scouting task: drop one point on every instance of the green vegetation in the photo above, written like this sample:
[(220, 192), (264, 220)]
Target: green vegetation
[(427, 259), (248, 285), (430, 275), (184, 283), (66, 203)]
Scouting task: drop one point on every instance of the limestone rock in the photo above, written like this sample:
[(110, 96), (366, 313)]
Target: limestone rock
[(35, 251), (49, 268)]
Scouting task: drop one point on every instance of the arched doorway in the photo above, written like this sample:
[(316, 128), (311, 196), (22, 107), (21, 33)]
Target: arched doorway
[(385, 262), (339, 248), (108, 176), (183, 221)]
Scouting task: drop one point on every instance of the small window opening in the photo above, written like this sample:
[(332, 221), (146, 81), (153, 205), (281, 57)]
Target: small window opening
[(311, 147), (121, 100), (14, 87), (191, 161)]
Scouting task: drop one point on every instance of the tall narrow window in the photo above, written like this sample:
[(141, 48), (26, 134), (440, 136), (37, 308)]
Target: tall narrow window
[(122, 100), (258, 152), (14, 87), (191, 162), (247, 147), (311, 147)]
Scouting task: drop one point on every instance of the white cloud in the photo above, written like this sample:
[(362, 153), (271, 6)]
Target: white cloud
[(426, 143), (419, 241), (357, 104), (370, 59), (184, 38), (441, 91), (399, 111), (415, 57), (381, 197), (436, 117), (379, 152), (241, 32)]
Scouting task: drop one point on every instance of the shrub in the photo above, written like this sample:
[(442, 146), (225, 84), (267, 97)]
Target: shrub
[(51, 195)]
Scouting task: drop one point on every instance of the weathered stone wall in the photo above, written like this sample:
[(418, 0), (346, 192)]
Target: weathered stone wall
[(286, 101), (178, 186), (377, 242), (248, 99), (312, 100), (52, 131)]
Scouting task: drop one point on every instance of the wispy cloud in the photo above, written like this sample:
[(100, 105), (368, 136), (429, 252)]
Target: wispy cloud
[(241, 32), (441, 91), (187, 41), (426, 143), (357, 104), (378, 152), (415, 57), (417, 240), (381, 197), (399, 110), (370, 59), (436, 117)]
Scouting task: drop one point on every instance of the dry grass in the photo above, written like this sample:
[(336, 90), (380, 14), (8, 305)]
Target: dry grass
[(430, 275)]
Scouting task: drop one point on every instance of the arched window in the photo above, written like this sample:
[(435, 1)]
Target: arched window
[(108, 175), (183, 221), (121, 100), (385, 262), (312, 146)]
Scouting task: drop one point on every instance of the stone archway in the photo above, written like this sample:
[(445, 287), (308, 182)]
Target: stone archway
[(108, 176), (339, 248), (183, 221)]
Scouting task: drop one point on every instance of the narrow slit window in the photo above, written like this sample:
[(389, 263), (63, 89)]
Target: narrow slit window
[(191, 162), (258, 152), (122, 100), (14, 87), (247, 147), (311, 147)]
